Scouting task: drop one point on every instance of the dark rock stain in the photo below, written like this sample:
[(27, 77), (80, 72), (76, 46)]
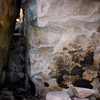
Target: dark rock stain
[(65, 48), (63, 72), (75, 51), (88, 60), (62, 85), (83, 83), (98, 29), (61, 81), (77, 71), (46, 84)]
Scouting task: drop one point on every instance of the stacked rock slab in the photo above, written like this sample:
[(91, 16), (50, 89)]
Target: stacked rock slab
[(9, 10), (63, 45)]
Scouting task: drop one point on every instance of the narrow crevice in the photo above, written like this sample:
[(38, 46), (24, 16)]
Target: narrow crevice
[(14, 85)]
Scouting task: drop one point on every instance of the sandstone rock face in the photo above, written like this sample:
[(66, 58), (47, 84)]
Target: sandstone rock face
[(9, 10), (63, 45)]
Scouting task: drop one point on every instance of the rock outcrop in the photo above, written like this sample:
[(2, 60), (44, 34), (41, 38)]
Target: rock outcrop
[(63, 45), (9, 10)]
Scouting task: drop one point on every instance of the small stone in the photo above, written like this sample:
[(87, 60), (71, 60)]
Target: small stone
[(57, 96)]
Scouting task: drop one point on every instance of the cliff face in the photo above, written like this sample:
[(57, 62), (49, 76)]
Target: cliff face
[(63, 45), (9, 10)]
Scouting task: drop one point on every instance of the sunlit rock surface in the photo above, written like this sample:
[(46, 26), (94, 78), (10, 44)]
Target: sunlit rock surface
[(63, 45), (9, 10)]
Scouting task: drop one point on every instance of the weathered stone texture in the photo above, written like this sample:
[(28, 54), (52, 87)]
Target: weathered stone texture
[(57, 96), (63, 45), (9, 10)]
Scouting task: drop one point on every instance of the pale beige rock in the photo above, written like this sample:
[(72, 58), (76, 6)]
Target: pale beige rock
[(57, 96), (80, 98), (63, 44), (83, 92), (69, 91)]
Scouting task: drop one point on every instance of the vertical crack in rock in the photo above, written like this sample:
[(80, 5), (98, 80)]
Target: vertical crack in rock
[(9, 10)]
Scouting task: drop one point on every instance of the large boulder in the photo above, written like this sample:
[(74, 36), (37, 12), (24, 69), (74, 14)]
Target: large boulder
[(63, 45), (9, 10)]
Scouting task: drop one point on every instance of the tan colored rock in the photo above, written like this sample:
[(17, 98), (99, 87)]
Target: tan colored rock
[(63, 44)]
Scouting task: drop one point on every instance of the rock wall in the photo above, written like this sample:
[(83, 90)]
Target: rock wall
[(9, 10), (63, 45)]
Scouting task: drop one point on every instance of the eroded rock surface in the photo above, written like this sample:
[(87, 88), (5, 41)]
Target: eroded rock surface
[(9, 10), (63, 45), (57, 96)]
